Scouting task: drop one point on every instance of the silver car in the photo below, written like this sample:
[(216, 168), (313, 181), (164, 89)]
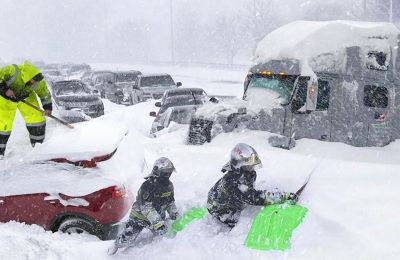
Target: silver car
[(152, 87)]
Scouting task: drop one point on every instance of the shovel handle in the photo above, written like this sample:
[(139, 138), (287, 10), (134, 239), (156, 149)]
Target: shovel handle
[(51, 116)]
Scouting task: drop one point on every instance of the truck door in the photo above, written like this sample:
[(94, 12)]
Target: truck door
[(305, 123), (377, 102)]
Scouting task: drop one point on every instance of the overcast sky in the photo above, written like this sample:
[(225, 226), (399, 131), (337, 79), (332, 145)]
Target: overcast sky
[(72, 30)]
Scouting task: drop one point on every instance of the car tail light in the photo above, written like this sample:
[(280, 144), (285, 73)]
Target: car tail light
[(118, 192)]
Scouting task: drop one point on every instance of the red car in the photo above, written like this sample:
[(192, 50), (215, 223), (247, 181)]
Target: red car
[(63, 197)]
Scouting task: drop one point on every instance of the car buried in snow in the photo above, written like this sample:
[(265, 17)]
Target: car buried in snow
[(75, 102), (63, 198), (124, 81), (333, 81), (115, 86), (152, 86), (177, 105)]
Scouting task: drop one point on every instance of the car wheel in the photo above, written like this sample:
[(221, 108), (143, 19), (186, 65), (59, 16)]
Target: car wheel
[(79, 226)]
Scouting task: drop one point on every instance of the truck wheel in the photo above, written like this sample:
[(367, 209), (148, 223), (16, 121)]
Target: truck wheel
[(79, 226), (200, 131)]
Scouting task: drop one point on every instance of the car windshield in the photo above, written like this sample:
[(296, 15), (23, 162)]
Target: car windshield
[(106, 77), (52, 73), (280, 86), (157, 81), (125, 77), (70, 88), (181, 101), (182, 92)]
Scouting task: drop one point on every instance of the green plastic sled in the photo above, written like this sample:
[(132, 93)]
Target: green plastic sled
[(273, 226), (187, 217)]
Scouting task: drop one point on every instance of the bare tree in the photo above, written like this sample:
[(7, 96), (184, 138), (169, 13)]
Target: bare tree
[(228, 36)]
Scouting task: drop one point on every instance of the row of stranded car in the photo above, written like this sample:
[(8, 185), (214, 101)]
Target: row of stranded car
[(77, 93)]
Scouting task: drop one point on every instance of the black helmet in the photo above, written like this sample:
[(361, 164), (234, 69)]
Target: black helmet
[(163, 167), (244, 157)]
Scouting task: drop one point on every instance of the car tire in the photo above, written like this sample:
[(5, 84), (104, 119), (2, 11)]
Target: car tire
[(77, 225), (200, 131)]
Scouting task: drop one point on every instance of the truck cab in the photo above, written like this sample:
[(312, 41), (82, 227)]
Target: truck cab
[(339, 90)]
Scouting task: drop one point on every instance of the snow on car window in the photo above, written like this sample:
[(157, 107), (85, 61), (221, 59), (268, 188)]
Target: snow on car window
[(125, 77), (157, 81), (70, 89)]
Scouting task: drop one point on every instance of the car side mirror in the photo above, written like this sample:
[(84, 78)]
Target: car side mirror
[(178, 84), (213, 100), (153, 114), (158, 104)]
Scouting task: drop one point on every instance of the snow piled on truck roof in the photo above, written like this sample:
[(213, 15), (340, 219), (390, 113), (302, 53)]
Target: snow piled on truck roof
[(305, 40)]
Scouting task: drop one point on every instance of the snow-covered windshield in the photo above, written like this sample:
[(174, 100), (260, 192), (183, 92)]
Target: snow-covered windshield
[(182, 116), (280, 86), (181, 101), (157, 81), (125, 77), (70, 88)]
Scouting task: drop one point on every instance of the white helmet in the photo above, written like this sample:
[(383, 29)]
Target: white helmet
[(163, 167), (243, 156)]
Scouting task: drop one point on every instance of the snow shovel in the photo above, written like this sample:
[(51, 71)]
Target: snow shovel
[(187, 218), (273, 225), (51, 116)]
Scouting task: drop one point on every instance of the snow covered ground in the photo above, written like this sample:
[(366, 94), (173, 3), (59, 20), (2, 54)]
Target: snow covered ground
[(352, 197)]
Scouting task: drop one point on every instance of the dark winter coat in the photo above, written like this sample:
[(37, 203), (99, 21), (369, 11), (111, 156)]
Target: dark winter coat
[(155, 198), (235, 190)]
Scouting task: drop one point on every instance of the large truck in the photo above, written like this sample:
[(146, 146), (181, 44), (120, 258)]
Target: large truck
[(334, 81)]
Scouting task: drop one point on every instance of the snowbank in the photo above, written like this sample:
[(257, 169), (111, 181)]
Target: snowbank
[(306, 40)]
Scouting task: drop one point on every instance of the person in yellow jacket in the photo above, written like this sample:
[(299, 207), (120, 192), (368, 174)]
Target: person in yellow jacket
[(23, 82)]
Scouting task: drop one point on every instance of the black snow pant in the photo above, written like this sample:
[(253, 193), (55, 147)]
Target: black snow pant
[(226, 216), (131, 231)]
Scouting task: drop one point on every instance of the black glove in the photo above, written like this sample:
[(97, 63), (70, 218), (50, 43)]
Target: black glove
[(292, 197)]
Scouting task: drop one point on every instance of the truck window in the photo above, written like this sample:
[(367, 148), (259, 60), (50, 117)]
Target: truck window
[(323, 95), (299, 100), (375, 96), (377, 60)]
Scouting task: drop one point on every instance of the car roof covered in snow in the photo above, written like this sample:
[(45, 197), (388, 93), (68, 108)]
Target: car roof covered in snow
[(52, 178), (304, 40), (154, 75), (184, 91)]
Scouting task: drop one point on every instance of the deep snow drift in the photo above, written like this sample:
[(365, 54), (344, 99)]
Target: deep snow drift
[(324, 42), (352, 197)]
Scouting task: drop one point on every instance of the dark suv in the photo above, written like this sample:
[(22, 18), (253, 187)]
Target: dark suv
[(75, 102)]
